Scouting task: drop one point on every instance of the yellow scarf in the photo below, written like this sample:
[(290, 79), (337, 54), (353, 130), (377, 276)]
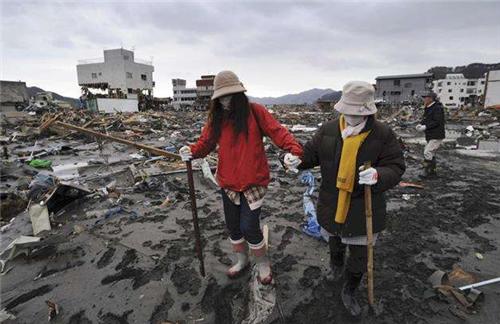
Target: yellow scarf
[(347, 171)]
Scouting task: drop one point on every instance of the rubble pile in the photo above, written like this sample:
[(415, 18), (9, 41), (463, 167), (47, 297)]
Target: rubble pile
[(94, 231)]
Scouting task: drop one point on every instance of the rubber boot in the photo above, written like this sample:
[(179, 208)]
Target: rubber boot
[(263, 263), (350, 302), (242, 261), (427, 169), (433, 168), (337, 253)]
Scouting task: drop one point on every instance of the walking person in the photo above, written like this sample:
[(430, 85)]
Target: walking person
[(238, 127), (432, 124), (340, 147)]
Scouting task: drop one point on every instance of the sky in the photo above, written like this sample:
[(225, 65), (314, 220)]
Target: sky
[(275, 47)]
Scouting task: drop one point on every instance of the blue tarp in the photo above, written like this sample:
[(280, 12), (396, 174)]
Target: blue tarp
[(311, 226)]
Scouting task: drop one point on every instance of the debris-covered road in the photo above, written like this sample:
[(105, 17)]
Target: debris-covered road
[(125, 252)]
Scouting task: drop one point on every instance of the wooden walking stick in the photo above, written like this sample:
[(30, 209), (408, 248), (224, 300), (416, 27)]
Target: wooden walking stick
[(194, 211), (369, 235)]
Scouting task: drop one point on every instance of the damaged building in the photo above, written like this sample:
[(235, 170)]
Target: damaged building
[(123, 78), (402, 89)]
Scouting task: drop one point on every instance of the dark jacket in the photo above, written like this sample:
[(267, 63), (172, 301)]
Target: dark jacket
[(381, 148), (433, 120)]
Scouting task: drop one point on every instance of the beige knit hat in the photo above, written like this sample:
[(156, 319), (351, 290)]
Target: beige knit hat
[(357, 99), (225, 83)]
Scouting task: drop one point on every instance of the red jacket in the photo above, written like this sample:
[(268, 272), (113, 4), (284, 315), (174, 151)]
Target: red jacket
[(243, 162)]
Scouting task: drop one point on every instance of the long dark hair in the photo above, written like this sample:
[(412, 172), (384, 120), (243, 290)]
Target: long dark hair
[(238, 114)]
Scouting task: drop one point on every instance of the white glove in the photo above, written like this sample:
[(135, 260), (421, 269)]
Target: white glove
[(186, 153), (368, 176), (292, 162), (420, 128)]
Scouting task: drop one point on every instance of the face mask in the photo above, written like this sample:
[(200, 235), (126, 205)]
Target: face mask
[(225, 102), (354, 120)]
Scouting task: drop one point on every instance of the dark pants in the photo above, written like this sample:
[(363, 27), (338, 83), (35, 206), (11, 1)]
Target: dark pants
[(241, 221), (357, 259)]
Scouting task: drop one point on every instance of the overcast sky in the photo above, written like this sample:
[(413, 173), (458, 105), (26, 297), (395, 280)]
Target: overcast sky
[(276, 47)]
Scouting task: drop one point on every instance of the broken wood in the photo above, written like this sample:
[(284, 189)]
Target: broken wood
[(369, 235)]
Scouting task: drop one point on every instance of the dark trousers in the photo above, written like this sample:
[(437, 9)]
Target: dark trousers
[(241, 221), (357, 259)]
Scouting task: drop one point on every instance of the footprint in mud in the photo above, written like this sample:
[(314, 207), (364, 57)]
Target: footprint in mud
[(106, 258), (286, 238), (160, 313), (110, 318), (186, 279), (79, 318), (129, 257), (285, 264), (311, 273)]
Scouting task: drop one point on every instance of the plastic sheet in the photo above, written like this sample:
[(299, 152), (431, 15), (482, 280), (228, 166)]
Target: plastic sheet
[(311, 227)]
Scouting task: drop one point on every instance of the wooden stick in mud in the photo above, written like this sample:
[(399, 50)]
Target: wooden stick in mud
[(369, 235), (194, 210)]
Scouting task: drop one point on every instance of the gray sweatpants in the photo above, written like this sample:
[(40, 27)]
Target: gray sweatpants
[(431, 148)]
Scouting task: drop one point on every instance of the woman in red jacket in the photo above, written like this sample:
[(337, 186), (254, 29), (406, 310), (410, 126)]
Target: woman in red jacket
[(238, 127)]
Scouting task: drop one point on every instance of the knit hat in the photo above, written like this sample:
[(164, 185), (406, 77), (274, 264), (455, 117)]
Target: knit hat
[(225, 83), (357, 99)]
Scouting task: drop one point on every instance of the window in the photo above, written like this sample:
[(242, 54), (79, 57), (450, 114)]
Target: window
[(395, 93), (130, 90), (461, 90), (482, 82), (471, 83), (100, 73), (144, 77), (94, 75), (408, 85), (397, 83), (449, 90), (451, 98), (440, 83), (129, 75), (448, 83), (383, 94), (462, 99), (479, 91), (125, 57), (440, 90), (413, 92)]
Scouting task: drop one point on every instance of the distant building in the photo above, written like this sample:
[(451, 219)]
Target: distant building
[(13, 94), (398, 89), (198, 97), (455, 90), (119, 72), (183, 96), (492, 90), (204, 91)]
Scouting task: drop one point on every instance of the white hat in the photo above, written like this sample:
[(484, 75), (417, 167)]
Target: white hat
[(225, 83), (357, 99)]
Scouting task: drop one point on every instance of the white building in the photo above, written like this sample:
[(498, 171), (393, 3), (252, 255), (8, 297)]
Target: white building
[(492, 95), (183, 96), (455, 90), (119, 72)]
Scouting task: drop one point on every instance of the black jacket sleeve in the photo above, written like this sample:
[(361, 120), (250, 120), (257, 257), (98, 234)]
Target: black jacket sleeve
[(390, 165), (310, 158)]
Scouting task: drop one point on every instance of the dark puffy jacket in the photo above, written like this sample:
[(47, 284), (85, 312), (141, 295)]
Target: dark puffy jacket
[(381, 148), (434, 121)]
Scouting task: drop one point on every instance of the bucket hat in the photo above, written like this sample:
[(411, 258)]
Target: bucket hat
[(357, 99), (226, 83), (429, 93)]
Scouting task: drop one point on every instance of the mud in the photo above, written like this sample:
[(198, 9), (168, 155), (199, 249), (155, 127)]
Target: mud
[(142, 267)]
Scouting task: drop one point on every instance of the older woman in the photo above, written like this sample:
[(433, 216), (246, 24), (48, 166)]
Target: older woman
[(340, 148)]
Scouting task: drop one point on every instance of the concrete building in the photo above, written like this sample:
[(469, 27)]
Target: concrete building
[(13, 94), (398, 89), (183, 96), (204, 91), (492, 90), (455, 90), (119, 72)]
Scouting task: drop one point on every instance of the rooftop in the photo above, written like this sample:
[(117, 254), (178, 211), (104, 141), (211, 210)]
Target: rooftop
[(405, 76)]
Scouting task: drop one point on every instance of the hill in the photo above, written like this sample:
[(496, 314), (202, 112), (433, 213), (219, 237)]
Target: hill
[(304, 97)]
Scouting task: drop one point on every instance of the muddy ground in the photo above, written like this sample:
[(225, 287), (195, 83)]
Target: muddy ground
[(138, 266)]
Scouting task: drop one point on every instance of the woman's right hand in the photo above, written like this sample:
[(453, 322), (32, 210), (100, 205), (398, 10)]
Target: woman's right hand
[(185, 153)]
